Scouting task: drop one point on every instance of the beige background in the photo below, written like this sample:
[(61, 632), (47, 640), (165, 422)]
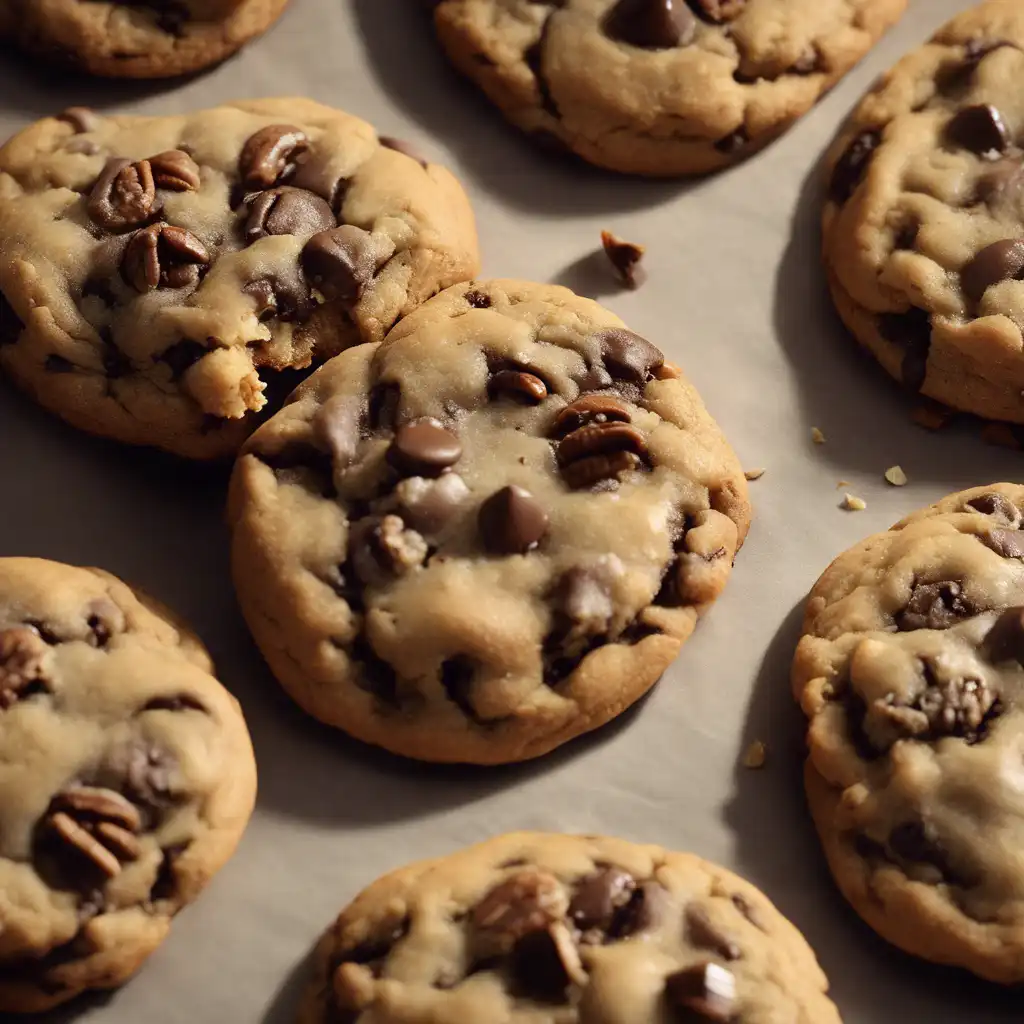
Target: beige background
[(735, 295)]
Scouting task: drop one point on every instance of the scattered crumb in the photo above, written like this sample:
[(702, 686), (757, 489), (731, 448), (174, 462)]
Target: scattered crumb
[(756, 755), (668, 371), (625, 258), (754, 474), (842, 483), (854, 504), (817, 436), (896, 476), (931, 415)]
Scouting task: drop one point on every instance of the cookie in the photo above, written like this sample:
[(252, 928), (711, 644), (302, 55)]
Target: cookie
[(924, 217), (910, 673), (659, 87), (559, 929), (126, 779), (157, 273), (488, 535), (154, 40)]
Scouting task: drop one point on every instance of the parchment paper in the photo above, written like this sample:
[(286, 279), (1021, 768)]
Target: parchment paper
[(735, 295)]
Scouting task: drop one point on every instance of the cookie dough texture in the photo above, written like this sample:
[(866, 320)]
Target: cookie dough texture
[(556, 929), (910, 673), (488, 535), (156, 273), (659, 87), (126, 779), (119, 40), (925, 214)]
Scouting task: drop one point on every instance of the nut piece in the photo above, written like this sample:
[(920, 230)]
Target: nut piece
[(756, 755), (754, 474), (271, 155), (625, 257), (589, 409), (854, 504), (97, 826), (529, 901), (22, 653), (600, 451), (124, 195), (817, 436), (519, 385), (175, 171), (163, 256), (896, 476)]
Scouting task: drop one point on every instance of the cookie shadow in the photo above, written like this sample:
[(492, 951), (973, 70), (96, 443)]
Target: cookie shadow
[(412, 70), (284, 1006), (777, 849), (863, 413)]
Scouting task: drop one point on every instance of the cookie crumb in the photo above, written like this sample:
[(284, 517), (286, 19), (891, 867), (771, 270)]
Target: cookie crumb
[(756, 755), (854, 504), (896, 476), (842, 483), (754, 474), (817, 436), (625, 257)]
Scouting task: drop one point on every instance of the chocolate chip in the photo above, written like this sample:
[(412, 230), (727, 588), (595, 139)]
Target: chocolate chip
[(175, 170), (165, 885), (917, 842), (11, 324), (457, 675), (935, 606), (643, 913), (478, 299), (651, 24), (271, 155), (58, 364), (625, 257), (518, 385), (287, 211), (163, 256), (980, 129), (912, 331), (512, 522), (718, 11), (734, 141), (528, 901), (1000, 261), (999, 507), (341, 262), (596, 408), (1008, 543), (423, 448), (400, 146), (124, 195), (546, 963), (376, 675), (629, 357), (703, 992), (181, 356), (285, 297), (82, 119), (599, 897), (1005, 640), (704, 934), (853, 164)]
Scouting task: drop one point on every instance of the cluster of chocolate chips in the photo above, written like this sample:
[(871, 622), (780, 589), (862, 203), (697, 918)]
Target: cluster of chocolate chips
[(535, 930)]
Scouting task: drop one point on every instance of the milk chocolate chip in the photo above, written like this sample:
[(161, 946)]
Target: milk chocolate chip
[(1000, 261), (651, 24), (512, 522), (424, 448), (980, 129)]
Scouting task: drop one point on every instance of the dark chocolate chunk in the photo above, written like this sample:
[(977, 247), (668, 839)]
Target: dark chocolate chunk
[(599, 897), (644, 911), (518, 906), (651, 24), (424, 448), (917, 842), (512, 522), (625, 257), (629, 357), (734, 141), (271, 155), (341, 262), (1000, 261), (912, 331), (181, 356), (853, 164), (980, 129), (702, 993), (937, 605), (545, 964), (457, 676)]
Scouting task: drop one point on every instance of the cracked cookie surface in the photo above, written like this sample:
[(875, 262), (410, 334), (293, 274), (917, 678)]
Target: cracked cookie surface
[(490, 534), (126, 779), (159, 39), (156, 273), (659, 87), (910, 673), (559, 929), (924, 218)]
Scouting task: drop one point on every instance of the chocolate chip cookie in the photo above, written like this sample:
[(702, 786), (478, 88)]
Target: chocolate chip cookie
[(559, 929), (126, 779), (157, 273), (659, 87), (924, 219), (491, 533), (910, 672), (136, 40)]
